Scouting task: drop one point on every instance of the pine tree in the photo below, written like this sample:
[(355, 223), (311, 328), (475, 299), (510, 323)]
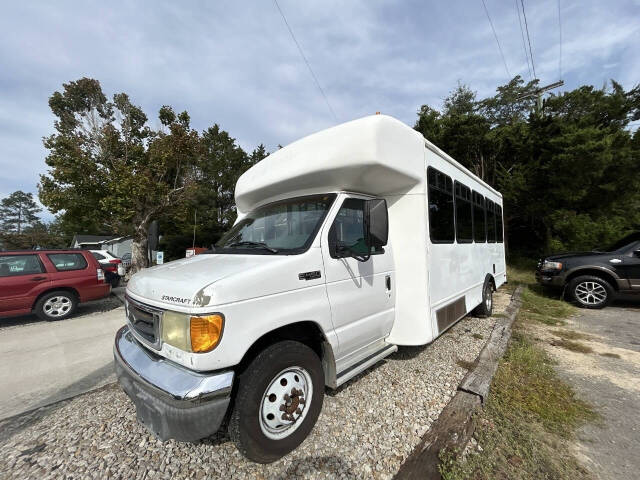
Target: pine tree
[(18, 211)]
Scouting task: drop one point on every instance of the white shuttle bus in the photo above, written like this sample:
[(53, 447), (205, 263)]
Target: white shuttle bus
[(349, 242)]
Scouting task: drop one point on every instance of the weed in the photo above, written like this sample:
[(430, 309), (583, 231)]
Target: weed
[(477, 336), (467, 365), (571, 345), (610, 355), (572, 335)]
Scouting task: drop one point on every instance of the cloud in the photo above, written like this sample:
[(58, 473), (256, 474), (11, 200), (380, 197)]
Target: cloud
[(234, 63)]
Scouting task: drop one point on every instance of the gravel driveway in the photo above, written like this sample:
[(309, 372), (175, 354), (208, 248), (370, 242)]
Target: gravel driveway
[(366, 428)]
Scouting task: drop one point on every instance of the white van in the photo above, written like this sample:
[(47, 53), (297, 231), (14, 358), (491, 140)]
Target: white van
[(348, 243)]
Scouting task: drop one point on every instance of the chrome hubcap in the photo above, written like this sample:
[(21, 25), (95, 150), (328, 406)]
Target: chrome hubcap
[(57, 306), (488, 298), (285, 402), (590, 293)]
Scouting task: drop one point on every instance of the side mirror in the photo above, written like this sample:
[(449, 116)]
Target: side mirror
[(636, 253), (378, 222)]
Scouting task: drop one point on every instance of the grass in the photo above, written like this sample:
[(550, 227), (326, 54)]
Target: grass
[(610, 355), (571, 335), (477, 336), (530, 415), (571, 345)]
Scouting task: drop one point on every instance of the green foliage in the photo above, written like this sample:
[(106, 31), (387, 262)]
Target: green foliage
[(17, 212), (565, 172), (111, 173), (211, 204)]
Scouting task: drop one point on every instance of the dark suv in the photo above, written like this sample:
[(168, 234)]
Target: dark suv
[(592, 279)]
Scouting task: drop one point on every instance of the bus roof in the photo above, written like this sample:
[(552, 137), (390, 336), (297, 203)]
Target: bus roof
[(376, 155)]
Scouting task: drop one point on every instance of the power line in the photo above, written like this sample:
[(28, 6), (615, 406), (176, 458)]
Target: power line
[(315, 79), (497, 41), (560, 35), (526, 25), (524, 46)]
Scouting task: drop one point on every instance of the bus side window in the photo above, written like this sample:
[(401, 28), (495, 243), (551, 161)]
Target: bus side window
[(491, 222), (499, 230), (479, 219), (441, 207), (464, 213)]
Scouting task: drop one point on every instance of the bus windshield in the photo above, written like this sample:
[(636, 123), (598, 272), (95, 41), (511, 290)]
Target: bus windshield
[(286, 227)]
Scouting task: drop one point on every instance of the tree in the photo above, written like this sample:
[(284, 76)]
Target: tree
[(108, 170), (211, 205), (567, 173), (18, 211)]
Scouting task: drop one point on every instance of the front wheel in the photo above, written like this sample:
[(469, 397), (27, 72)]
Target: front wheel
[(278, 401), (589, 291)]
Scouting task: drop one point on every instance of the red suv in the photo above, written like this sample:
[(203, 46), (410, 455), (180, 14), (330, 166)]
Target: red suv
[(49, 283)]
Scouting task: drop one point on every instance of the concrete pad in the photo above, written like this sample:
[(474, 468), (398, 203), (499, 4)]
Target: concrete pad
[(44, 362)]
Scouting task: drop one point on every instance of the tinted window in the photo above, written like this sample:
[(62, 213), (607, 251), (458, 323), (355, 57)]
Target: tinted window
[(14, 265), (491, 222), (499, 231), (348, 228), (98, 256), (464, 214), (479, 220), (68, 261), (441, 212)]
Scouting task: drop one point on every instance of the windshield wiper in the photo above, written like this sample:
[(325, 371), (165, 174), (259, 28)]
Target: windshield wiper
[(246, 243)]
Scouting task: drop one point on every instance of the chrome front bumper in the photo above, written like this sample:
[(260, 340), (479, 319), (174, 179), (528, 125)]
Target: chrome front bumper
[(171, 401)]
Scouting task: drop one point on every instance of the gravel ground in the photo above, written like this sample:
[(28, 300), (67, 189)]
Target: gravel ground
[(366, 429)]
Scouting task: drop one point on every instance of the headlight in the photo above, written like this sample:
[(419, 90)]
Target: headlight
[(192, 333), (175, 330), (551, 265)]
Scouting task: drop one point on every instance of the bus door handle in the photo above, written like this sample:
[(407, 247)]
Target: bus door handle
[(387, 280)]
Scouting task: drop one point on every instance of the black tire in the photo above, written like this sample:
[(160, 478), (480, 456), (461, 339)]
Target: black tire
[(590, 291), (115, 281), (56, 305), (485, 309), (247, 422)]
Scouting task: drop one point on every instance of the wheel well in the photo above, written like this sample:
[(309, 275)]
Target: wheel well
[(596, 273), (489, 278), (306, 332), (58, 289)]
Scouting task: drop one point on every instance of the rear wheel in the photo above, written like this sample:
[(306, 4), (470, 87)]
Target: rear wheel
[(278, 401), (56, 305), (589, 291), (486, 307)]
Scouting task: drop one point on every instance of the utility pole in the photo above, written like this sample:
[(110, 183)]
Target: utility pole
[(538, 93), (195, 222)]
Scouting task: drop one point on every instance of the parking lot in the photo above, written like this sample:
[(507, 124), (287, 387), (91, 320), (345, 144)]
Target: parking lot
[(366, 429), (43, 362)]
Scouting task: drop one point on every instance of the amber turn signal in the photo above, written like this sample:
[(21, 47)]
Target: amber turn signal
[(206, 332)]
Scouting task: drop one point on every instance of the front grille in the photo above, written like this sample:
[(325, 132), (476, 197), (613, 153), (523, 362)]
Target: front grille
[(144, 321)]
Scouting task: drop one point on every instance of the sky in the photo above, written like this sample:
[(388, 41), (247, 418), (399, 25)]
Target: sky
[(235, 64)]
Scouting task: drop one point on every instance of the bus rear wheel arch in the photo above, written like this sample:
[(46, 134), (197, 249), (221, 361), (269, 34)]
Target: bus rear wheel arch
[(485, 309)]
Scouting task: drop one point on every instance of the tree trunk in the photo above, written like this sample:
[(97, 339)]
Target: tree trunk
[(139, 250)]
